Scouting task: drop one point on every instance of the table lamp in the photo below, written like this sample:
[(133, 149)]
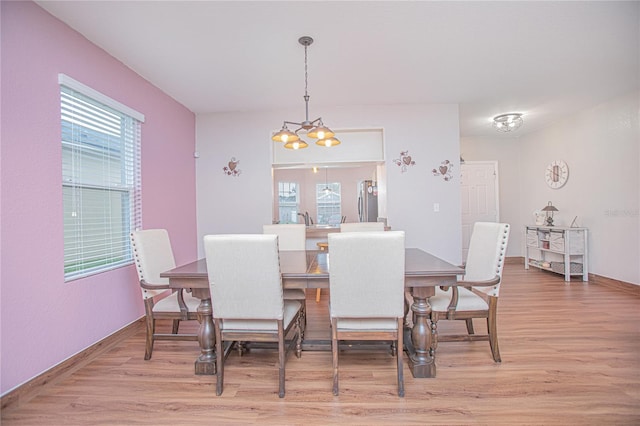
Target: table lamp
[(549, 209)]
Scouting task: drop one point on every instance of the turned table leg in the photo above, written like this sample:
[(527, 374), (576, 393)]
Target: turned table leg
[(206, 362), (421, 346)]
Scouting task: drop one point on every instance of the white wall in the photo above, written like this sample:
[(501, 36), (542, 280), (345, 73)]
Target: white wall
[(601, 147), (243, 204)]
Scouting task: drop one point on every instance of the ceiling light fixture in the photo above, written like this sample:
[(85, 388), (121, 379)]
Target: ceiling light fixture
[(508, 122), (315, 128)]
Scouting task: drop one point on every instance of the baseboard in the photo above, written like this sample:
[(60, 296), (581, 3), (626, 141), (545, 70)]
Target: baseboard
[(616, 284), (30, 389), (514, 260)]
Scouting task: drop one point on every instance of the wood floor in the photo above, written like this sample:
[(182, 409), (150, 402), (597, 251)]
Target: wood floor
[(570, 355)]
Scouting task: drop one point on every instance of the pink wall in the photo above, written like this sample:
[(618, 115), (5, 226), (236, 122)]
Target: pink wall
[(43, 319)]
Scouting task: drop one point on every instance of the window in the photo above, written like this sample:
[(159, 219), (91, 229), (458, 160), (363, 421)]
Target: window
[(288, 202), (100, 179), (328, 202)]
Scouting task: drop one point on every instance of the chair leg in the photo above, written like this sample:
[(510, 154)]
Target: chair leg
[(469, 326), (241, 347), (151, 325), (318, 295), (492, 328), (219, 359), (298, 338), (406, 308), (303, 322), (176, 326), (400, 344), (281, 359), (334, 353)]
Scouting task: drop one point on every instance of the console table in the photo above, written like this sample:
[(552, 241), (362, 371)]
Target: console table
[(557, 249)]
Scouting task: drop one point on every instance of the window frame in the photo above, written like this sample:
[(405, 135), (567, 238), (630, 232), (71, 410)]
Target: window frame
[(336, 189), (102, 197), (296, 209)]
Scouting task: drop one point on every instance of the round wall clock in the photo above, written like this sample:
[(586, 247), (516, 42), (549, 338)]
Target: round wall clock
[(556, 174)]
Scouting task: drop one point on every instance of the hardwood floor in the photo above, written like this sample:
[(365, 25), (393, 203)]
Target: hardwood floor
[(570, 355)]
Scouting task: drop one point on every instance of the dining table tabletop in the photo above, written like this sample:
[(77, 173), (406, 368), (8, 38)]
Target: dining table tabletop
[(310, 269)]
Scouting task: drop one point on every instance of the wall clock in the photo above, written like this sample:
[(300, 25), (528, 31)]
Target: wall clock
[(556, 174)]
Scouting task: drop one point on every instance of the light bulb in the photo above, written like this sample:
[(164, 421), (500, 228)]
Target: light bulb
[(296, 145), (284, 138), (320, 134), (327, 142)]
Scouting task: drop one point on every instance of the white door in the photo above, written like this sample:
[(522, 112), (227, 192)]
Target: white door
[(479, 197)]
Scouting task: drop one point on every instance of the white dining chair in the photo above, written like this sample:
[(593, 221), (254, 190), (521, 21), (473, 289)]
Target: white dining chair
[(366, 282), (476, 295), (246, 293), (153, 255), (291, 236), (352, 227)]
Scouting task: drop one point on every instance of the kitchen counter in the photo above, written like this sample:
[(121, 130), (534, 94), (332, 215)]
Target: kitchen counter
[(321, 231)]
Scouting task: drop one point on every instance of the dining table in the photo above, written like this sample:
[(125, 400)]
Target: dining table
[(310, 269)]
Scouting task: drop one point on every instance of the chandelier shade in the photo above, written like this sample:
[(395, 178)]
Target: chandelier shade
[(285, 135), (328, 142), (315, 128), (297, 144), (507, 122), (320, 132)]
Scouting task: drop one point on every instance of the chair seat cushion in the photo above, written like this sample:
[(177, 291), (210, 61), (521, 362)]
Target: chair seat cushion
[(467, 301), (170, 303), (291, 309), (369, 324), (294, 294)]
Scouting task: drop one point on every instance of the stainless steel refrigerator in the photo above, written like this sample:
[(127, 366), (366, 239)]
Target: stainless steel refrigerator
[(368, 201)]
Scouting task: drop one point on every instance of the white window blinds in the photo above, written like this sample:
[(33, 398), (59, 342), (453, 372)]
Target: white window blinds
[(100, 181)]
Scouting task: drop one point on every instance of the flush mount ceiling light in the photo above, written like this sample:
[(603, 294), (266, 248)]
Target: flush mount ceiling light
[(315, 128), (507, 122)]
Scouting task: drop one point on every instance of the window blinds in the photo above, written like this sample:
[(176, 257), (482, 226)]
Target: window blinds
[(100, 184)]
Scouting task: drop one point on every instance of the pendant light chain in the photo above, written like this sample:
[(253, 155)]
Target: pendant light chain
[(306, 73)]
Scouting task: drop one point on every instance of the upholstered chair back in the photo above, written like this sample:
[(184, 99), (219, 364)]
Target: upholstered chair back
[(361, 226), (291, 236), (153, 255), (366, 274), (487, 250), (244, 276)]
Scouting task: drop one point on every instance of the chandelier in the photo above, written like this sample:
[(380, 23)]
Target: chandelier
[(315, 128), (507, 122)]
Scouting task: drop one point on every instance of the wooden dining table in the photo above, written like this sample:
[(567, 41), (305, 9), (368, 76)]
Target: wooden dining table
[(310, 269)]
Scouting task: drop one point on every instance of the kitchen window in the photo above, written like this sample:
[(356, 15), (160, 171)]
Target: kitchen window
[(100, 179), (288, 202), (328, 201)]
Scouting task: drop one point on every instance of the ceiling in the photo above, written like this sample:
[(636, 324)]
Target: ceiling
[(543, 59)]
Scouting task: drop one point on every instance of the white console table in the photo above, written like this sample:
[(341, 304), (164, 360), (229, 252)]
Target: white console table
[(557, 249)]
